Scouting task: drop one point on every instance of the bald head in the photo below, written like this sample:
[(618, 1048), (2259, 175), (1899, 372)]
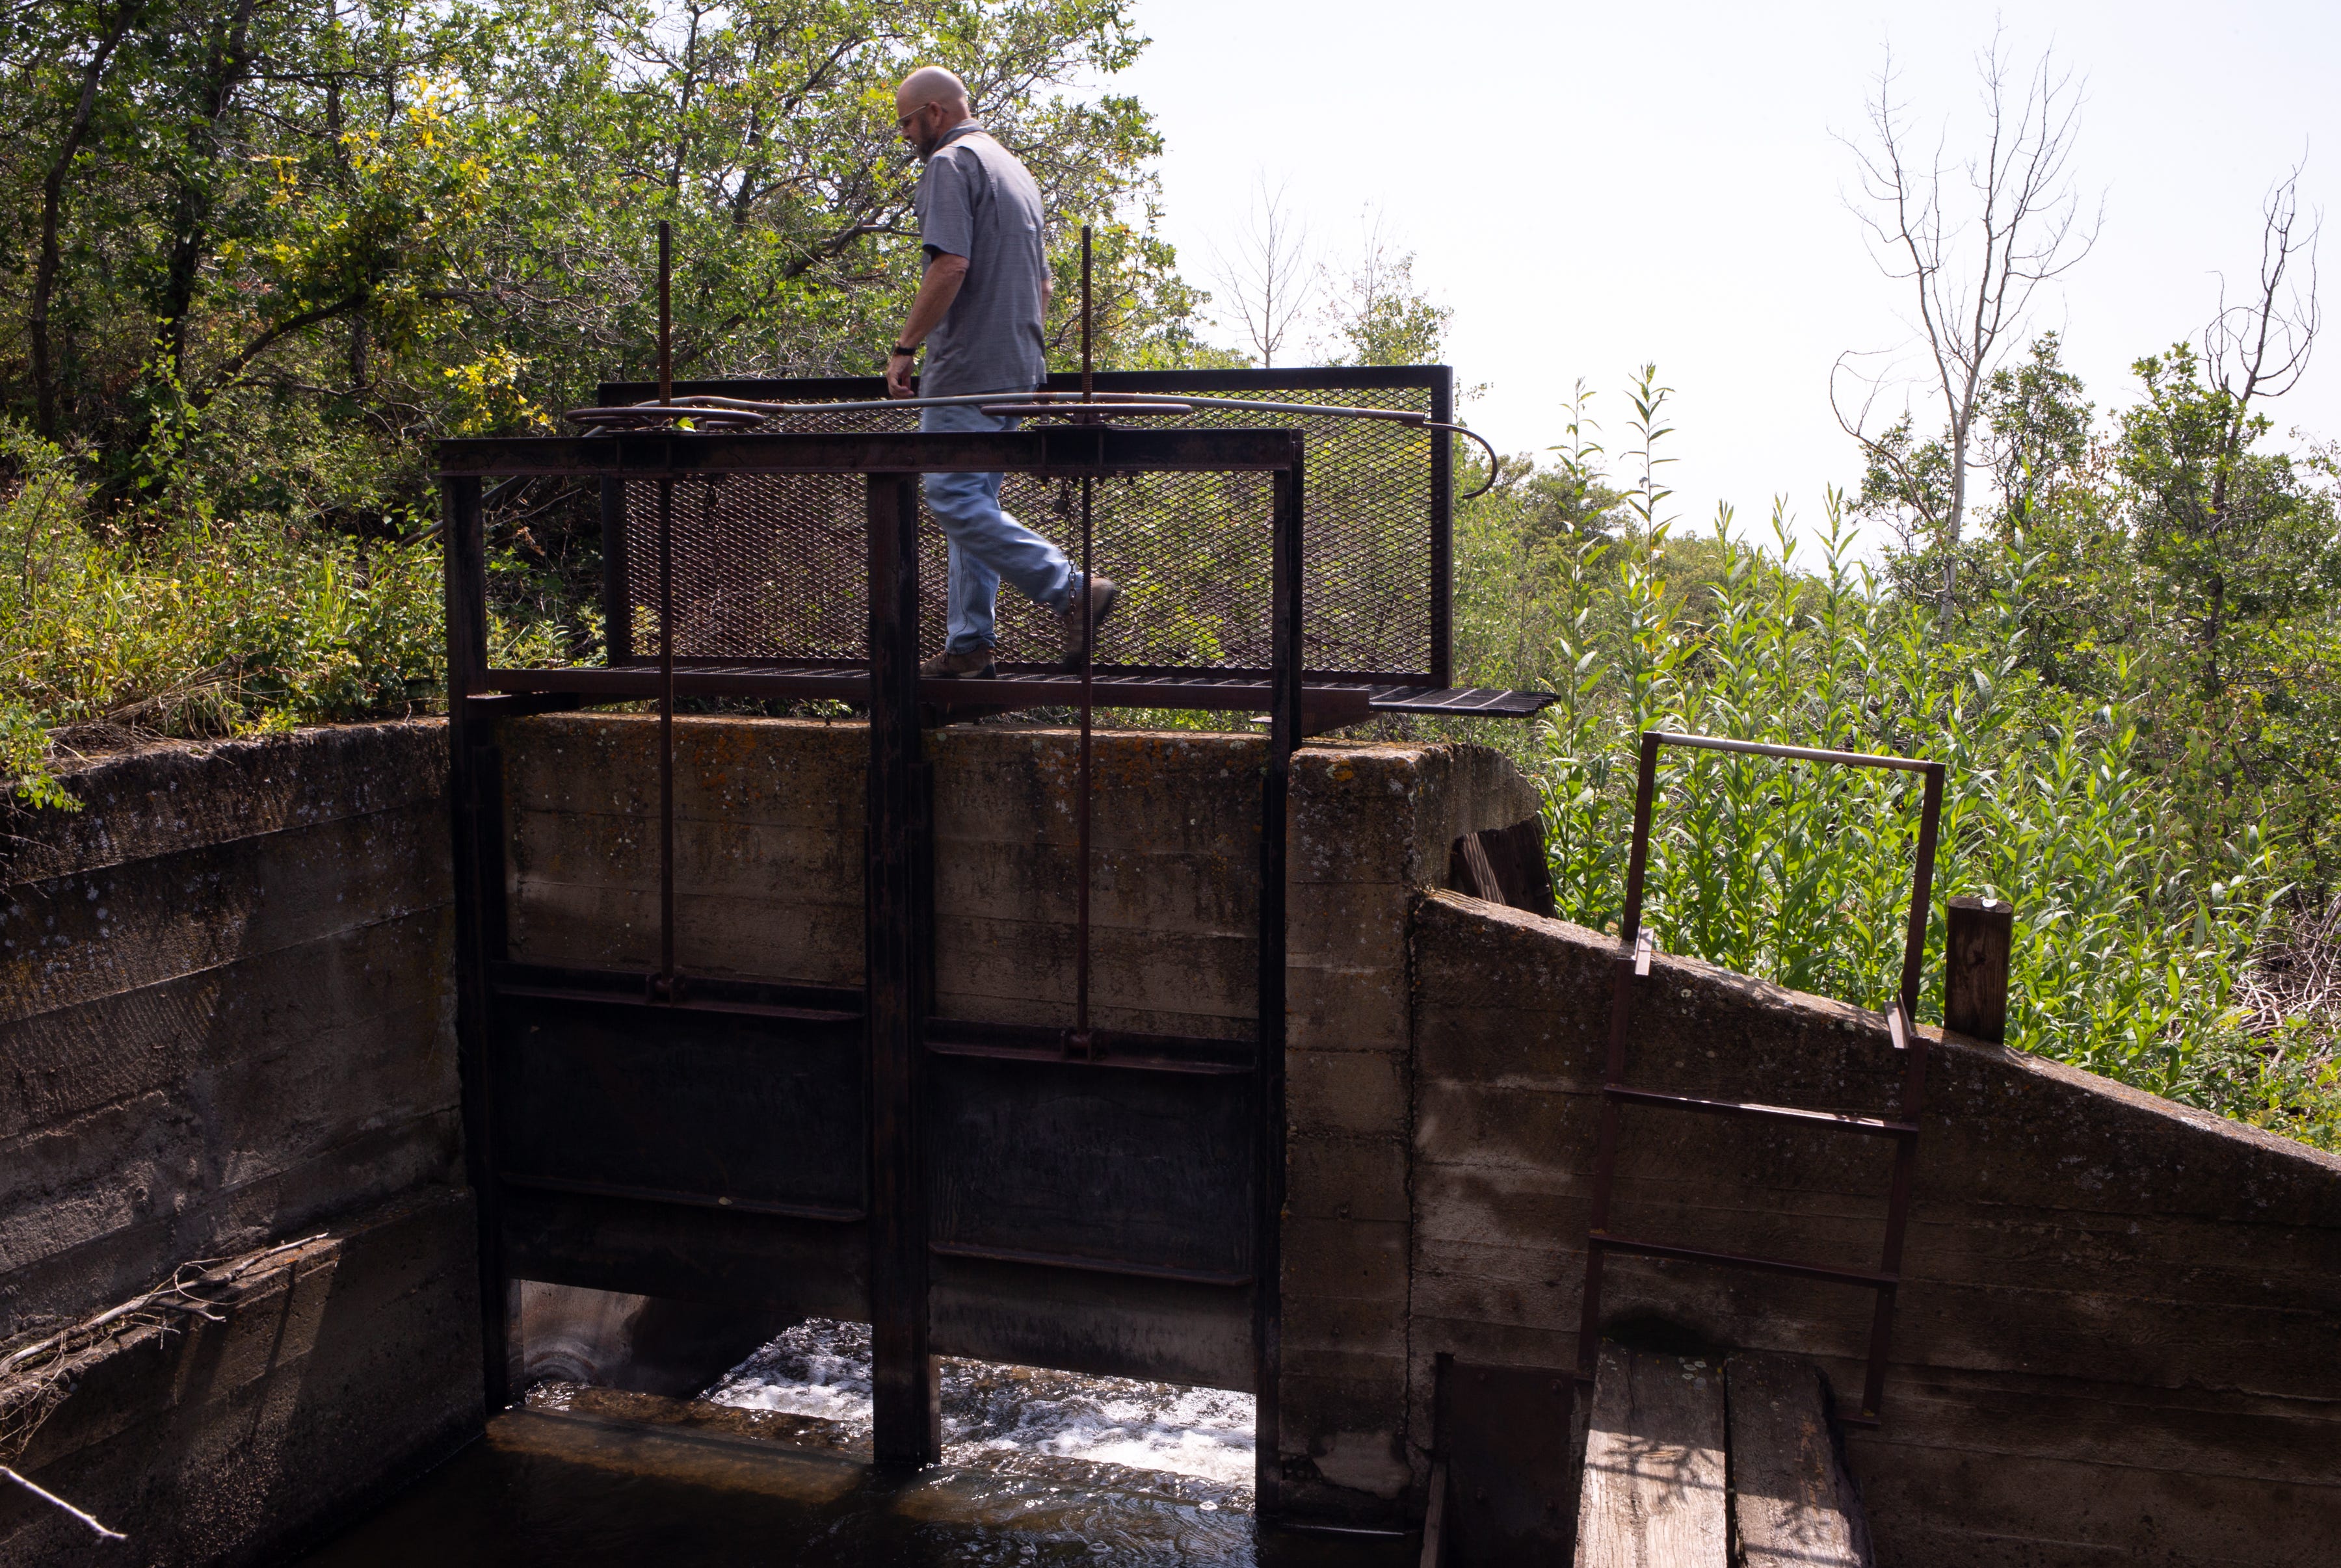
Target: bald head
[(930, 102), (932, 85)]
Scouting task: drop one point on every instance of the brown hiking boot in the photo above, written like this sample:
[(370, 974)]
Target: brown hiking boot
[(972, 665), (1076, 611)]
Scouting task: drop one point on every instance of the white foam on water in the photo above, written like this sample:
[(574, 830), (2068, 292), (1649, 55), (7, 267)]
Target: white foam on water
[(822, 1367), (819, 1367)]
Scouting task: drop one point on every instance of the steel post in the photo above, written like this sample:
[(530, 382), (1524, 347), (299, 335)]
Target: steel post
[(475, 822), (1276, 790), (905, 1409)]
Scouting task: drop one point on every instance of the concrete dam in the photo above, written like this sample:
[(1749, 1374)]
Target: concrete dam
[(241, 1116)]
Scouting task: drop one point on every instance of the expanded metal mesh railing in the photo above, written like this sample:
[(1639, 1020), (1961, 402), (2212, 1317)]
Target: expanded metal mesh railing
[(768, 568)]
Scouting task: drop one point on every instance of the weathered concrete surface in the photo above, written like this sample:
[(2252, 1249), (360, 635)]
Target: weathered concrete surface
[(226, 1009), (1372, 828), (769, 817), (636, 1344), (333, 1377), (2118, 1340), (225, 1006)]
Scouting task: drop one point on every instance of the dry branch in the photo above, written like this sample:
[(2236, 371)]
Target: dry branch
[(36, 1375)]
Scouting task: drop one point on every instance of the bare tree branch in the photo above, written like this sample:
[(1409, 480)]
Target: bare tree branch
[(2256, 349), (2260, 349), (1971, 276), (1269, 278)]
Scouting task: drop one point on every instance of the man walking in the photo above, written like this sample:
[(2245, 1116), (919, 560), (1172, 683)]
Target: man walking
[(978, 312)]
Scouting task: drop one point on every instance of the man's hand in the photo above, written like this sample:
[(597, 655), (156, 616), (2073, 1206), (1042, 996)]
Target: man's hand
[(937, 290)]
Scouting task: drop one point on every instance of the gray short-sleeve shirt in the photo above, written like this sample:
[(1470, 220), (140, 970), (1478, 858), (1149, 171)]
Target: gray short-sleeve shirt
[(975, 200)]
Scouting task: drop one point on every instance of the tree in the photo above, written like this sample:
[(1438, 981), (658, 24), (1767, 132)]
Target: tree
[(1268, 279), (2033, 436), (1376, 314), (1971, 276), (2231, 528), (270, 248)]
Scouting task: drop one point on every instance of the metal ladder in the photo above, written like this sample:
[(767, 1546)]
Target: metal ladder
[(1633, 963)]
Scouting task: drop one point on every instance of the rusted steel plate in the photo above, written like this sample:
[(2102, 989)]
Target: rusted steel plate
[(723, 1107), (1070, 1165)]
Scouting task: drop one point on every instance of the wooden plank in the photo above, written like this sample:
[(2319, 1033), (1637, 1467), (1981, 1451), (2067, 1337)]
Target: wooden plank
[(737, 1108), (795, 1267), (1114, 1325), (1434, 1519), (1653, 1494), (1793, 1504)]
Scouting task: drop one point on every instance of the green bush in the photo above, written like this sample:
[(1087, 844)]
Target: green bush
[(194, 627), (2133, 933)]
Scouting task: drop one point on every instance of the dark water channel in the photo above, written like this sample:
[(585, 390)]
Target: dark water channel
[(559, 1487)]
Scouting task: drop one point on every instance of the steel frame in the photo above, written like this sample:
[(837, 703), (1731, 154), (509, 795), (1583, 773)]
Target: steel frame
[(1632, 962), (1391, 692), (894, 1006)]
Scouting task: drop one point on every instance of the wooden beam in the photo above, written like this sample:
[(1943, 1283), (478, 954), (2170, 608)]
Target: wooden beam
[(1434, 1519), (1653, 1494), (1793, 1504)]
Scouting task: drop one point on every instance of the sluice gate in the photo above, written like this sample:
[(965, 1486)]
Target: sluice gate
[(684, 1131)]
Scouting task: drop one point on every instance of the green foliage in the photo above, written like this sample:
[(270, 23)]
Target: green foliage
[(199, 628), (295, 242), (1380, 317), (2136, 926), (272, 252), (2167, 561)]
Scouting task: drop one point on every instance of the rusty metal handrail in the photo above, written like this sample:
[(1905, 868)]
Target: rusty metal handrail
[(1633, 962), (734, 413)]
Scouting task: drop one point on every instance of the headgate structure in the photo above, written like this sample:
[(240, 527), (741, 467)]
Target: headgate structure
[(675, 1134)]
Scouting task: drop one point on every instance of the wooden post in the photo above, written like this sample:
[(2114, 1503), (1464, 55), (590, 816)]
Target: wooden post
[(906, 1413), (1975, 968)]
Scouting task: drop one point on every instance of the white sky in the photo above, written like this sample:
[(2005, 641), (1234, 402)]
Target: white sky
[(1591, 187)]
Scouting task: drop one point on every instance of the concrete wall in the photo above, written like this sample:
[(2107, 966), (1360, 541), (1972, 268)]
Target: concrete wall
[(2120, 1336), (769, 819), (769, 841), (1372, 827), (226, 1020)]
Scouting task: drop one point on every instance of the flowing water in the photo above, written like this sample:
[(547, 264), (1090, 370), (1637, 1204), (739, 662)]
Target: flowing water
[(821, 1368), (770, 1466)]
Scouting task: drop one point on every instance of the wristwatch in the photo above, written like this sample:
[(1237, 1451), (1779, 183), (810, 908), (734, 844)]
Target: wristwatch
[(908, 354)]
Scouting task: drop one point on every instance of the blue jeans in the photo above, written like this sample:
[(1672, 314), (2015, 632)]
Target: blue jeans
[(986, 543)]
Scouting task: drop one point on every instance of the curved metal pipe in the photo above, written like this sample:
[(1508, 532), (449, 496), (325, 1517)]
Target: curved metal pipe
[(1255, 405), (1495, 463), (1150, 403)]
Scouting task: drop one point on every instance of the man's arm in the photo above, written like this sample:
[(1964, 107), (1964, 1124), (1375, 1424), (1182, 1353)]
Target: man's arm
[(937, 290)]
